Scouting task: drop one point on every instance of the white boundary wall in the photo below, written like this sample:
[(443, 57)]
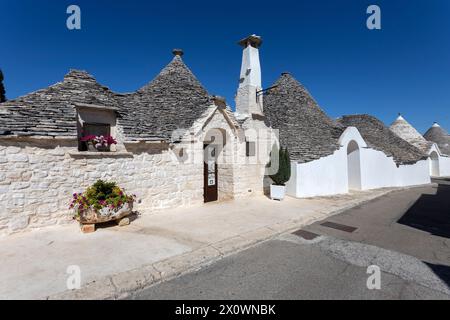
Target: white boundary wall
[(329, 175), (444, 163), (444, 166)]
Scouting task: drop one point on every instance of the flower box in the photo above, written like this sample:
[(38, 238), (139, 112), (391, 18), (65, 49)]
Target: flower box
[(102, 202), (106, 214), (99, 143)]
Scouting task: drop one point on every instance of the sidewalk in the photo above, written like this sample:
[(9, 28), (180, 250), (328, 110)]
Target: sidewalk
[(116, 260)]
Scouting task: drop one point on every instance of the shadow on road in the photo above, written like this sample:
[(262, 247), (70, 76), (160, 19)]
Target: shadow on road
[(443, 272), (430, 213)]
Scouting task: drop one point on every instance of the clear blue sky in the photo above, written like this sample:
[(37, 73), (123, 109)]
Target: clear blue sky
[(325, 44)]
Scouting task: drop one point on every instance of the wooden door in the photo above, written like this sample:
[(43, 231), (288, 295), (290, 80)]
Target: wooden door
[(210, 178)]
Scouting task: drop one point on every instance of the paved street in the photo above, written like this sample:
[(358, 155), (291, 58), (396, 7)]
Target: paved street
[(404, 233), (116, 259)]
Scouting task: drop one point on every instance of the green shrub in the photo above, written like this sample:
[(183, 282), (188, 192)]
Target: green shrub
[(284, 170)]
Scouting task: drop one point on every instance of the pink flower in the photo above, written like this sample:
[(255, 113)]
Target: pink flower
[(88, 138)]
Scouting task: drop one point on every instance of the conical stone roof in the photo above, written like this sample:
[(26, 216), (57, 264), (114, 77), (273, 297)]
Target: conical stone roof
[(406, 131), (440, 136), (175, 99), (381, 138), (304, 128), (50, 111)]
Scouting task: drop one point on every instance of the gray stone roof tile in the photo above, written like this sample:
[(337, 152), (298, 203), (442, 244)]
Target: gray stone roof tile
[(381, 138), (304, 128), (175, 99), (406, 131), (50, 111), (438, 135)]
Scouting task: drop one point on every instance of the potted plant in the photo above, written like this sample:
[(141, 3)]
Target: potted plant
[(102, 202), (99, 143), (278, 188)]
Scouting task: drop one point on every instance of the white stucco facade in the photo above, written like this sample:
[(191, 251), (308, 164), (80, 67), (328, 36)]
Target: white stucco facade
[(338, 173), (248, 96), (439, 164)]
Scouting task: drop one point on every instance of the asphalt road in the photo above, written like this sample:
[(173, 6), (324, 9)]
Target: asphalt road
[(404, 234)]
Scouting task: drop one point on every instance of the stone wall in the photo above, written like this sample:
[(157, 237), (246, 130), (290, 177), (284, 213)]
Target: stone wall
[(36, 183), (39, 176)]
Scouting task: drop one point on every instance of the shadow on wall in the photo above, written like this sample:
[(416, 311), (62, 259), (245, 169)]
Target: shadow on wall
[(430, 213)]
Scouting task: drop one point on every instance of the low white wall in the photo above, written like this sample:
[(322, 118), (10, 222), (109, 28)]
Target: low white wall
[(329, 175), (444, 166), (380, 171), (326, 176), (415, 174)]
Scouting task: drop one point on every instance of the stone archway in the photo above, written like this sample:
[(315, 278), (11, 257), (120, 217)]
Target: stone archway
[(434, 164), (217, 172), (354, 166)]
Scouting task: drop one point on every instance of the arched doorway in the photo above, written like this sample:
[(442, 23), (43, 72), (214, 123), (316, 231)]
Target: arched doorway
[(354, 166), (216, 171), (434, 164)]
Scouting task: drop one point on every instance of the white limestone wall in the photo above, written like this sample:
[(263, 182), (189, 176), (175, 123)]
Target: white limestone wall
[(444, 166), (380, 171), (415, 174), (439, 165), (329, 175), (326, 176)]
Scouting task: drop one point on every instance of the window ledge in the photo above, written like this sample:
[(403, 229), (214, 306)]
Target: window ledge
[(96, 154)]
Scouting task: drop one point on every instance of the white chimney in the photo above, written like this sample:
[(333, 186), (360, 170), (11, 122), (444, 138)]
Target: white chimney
[(248, 98)]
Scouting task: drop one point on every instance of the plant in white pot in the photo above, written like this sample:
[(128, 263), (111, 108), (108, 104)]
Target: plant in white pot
[(278, 188)]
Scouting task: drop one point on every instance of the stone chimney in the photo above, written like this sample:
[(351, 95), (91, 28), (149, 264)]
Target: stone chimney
[(248, 98)]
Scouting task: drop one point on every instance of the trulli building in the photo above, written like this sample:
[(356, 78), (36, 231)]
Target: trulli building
[(177, 146), (440, 136), (335, 156), (180, 146), (439, 161)]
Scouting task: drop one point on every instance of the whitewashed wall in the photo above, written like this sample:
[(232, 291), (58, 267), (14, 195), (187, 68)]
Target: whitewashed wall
[(444, 166), (326, 176), (329, 175)]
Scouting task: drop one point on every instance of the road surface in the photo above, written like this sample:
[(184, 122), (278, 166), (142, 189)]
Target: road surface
[(404, 234)]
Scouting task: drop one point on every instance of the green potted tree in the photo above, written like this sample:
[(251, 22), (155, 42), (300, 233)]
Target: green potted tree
[(282, 176)]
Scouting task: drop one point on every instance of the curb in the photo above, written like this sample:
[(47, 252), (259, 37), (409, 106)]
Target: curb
[(121, 285)]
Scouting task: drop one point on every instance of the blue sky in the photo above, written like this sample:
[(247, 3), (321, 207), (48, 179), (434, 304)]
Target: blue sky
[(405, 67)]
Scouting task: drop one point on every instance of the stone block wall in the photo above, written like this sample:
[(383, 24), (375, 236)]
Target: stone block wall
[(37, 180), (39, 176)]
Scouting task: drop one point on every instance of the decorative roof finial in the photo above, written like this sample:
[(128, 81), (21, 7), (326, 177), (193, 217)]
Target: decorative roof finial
[(219, 101), (253, 40), (178, 52)]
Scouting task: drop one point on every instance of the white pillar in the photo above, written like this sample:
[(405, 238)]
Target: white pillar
[(248, 101)]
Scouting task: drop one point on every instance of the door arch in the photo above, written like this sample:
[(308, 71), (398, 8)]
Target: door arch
[(217, 172), (354, 166), (434, 164)]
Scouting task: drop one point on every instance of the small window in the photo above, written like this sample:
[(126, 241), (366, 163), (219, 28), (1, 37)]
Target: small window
[(96, 129), (250, 149)]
